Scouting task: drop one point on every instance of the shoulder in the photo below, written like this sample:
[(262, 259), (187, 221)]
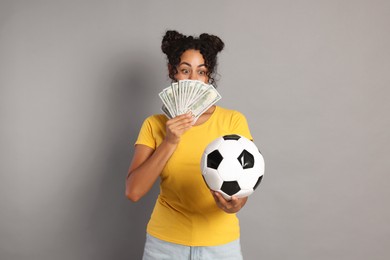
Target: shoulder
[(155, 120), (152, 129), (154, 123)]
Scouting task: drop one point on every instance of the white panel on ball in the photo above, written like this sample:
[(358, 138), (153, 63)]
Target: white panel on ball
[(213, 181), (214, 145), (230, 149)]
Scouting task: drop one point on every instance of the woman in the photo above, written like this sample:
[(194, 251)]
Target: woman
[(188, 219)]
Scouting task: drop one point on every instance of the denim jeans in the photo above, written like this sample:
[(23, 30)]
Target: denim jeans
[(156, 249)]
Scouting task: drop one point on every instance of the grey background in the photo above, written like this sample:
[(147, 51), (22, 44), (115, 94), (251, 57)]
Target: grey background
[(78, 77)]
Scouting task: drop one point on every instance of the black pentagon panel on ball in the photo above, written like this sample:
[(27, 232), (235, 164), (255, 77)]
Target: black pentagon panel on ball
[(230, 187), (246, 159), (231, 137), (258, 182), (214, 159)]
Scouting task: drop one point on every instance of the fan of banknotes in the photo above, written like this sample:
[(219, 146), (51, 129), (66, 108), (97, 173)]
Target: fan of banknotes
[(188, 95)]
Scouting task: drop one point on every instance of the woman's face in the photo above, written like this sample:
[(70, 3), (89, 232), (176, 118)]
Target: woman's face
[(192, 66)]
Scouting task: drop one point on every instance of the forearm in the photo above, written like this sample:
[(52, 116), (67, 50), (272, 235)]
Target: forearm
[(141, 179)]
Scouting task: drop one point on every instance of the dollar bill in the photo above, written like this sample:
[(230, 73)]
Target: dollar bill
[(188, 95), (166, 111), (168, 104), (204, 102)]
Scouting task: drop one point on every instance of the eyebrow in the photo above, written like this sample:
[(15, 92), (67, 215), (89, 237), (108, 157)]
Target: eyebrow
[(189, 65)]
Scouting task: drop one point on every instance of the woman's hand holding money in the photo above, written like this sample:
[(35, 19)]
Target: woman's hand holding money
[(177, 126)]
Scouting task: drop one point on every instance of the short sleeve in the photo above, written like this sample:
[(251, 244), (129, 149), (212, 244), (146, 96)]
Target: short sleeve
[(145, 135), (240, 126)]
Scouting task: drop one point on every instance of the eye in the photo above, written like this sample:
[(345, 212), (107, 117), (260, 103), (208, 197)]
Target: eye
[(185, 71), (202, 73)]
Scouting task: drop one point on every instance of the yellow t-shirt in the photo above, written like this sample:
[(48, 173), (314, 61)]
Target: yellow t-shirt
[(185, 211)]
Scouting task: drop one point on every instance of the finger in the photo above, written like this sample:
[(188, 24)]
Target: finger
[(235, 201), (181, 117), (214, 195), (184, 124), (180, 128), (180, 123), (221, 200)]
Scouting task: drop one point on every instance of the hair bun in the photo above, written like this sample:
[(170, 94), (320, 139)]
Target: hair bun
[(214, 41), (169, 41)]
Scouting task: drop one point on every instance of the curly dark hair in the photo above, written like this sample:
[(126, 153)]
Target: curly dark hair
[(175, 43)]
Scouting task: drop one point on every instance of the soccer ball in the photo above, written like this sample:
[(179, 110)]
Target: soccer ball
[(232, 165)]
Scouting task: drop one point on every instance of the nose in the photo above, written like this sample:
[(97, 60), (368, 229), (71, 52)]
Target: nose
[(193, 76)]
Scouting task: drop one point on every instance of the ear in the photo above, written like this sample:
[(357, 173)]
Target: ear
[(171, 72), (170, 69)]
